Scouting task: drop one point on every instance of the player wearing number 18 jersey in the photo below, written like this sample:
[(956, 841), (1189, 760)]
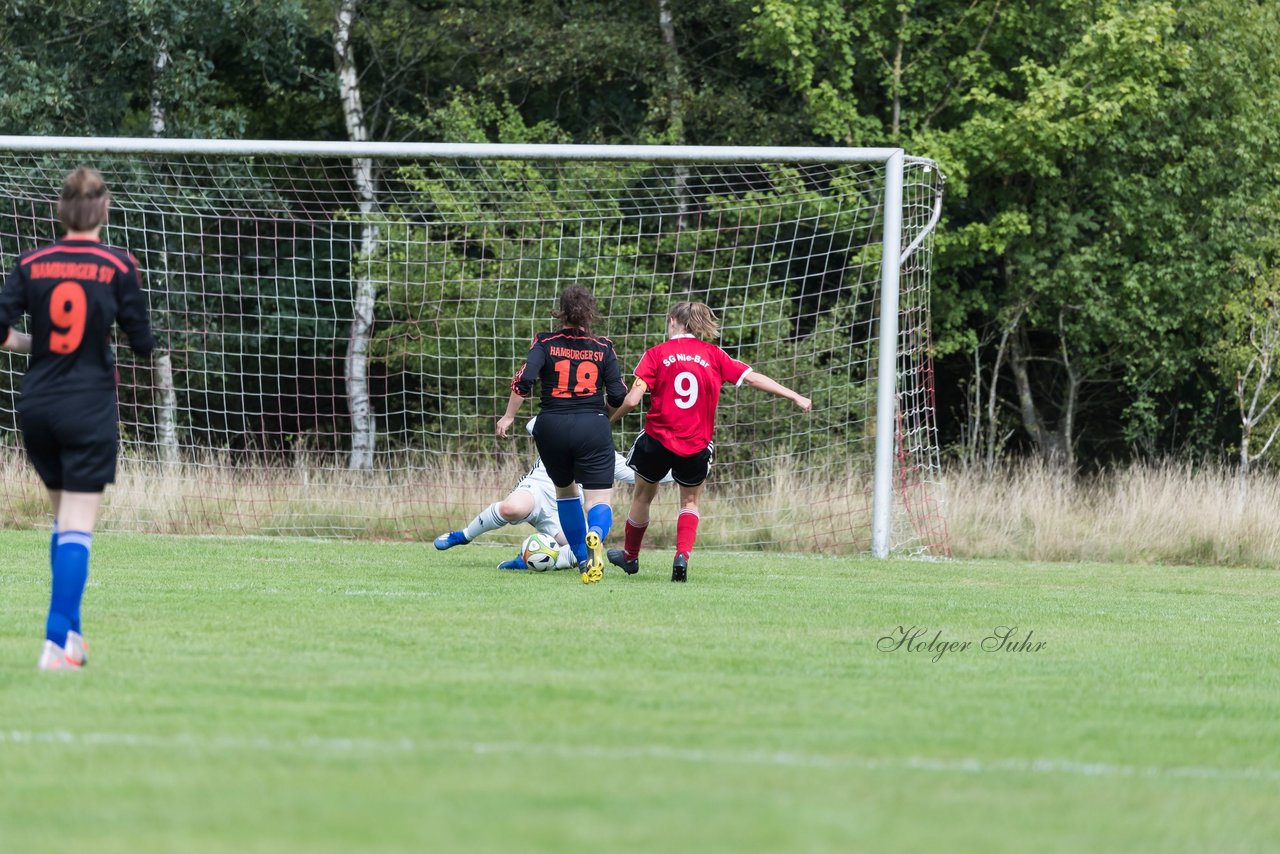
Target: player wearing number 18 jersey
[(73, 290), (580, 376), (683, 376)]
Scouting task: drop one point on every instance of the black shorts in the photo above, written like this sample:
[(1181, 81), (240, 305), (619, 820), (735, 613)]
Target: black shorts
[(651, 460), (576, 447), (72, 439)]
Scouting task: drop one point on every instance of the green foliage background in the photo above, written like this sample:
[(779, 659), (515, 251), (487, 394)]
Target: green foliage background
[(1112, 164), (474, 262)]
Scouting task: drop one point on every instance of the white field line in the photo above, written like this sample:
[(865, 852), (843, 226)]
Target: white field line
[(588, 752)]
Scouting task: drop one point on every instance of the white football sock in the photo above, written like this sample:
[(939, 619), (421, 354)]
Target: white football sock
[(489, 519)]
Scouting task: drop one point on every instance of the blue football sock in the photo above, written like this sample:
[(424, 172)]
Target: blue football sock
[(600, 518), (573, 525), (53, 544), (70, 572)]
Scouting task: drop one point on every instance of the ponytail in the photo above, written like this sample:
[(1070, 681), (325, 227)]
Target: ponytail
[(697, 318)]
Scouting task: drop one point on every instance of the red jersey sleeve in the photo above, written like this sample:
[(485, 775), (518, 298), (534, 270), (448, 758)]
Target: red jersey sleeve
[(647, 370), (731, 369)]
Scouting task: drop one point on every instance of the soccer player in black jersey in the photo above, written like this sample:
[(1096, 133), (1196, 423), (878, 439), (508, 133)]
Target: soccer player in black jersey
[(73, 290), (580, 376)]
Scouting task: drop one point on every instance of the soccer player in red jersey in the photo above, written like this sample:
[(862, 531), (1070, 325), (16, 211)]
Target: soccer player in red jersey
[(683, 376), (580, 377), (73, 290)]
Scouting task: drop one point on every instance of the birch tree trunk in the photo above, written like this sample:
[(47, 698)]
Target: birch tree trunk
[(167, 403), (895, 121), (993, 440), (363, 434), (1256, 396), (675, 108), (1053, 445)]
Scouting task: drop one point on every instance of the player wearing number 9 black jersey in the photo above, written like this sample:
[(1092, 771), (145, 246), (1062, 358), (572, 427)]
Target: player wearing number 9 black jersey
[(683, 376), (73, 290), (580, 377)]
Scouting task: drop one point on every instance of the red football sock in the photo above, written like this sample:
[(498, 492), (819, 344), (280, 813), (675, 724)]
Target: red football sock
[(686, 531), (633, 538)]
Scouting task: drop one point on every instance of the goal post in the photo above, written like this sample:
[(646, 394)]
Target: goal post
[(887, 359), (284, 302)]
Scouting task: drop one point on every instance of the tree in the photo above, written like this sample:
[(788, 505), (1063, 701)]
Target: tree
[(1132, 219), (363, 429), (172, 68), (1090, 205), (1250, 358), (1108, 160)]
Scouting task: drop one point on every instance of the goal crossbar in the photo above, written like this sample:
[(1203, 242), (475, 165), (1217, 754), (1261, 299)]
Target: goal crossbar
[(452, 150)]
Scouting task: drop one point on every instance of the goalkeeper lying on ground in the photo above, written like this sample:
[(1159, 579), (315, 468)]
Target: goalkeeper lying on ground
[(533, 500)]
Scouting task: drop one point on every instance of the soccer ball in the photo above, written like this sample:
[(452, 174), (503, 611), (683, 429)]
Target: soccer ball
[(540, 553)]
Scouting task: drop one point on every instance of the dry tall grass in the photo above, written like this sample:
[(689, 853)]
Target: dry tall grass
[(1175, 514), (814, 511), (1141, 514)]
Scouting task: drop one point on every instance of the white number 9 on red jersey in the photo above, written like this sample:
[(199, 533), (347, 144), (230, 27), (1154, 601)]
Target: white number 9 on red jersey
[(686, 388)]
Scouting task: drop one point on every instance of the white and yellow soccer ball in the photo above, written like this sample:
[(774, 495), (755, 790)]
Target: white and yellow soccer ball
[(540, 552)]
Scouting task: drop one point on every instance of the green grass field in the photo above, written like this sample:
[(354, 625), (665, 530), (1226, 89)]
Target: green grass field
[(284, 695)]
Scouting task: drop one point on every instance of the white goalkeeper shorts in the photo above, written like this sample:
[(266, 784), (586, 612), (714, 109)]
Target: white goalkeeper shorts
[(545, 517)]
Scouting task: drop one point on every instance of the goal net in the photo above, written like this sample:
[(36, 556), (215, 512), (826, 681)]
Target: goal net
[(338, 326)]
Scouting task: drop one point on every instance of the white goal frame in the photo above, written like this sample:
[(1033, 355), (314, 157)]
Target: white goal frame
[(893, 258)]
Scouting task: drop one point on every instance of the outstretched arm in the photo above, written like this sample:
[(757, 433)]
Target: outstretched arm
[(509, 417), (630, 402), (755, 379)]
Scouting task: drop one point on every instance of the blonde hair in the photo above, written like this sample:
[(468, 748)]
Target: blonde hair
[(697, 318), (84, 200)]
